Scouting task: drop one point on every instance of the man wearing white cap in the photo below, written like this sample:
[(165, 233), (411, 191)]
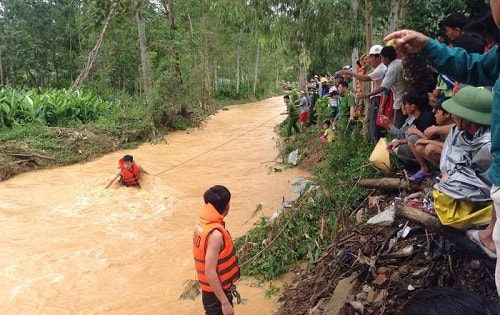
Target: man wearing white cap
[(375, 77)]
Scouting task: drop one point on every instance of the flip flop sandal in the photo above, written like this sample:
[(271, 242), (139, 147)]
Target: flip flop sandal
[(473, 235), (419, 176)]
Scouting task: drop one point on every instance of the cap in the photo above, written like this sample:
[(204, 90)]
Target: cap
[(375, 50)]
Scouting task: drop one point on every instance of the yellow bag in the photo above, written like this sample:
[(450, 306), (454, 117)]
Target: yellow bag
[(460, 214), (380, 156)]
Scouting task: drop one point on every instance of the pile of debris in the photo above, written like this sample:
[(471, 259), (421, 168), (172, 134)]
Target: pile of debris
[(378, 266)]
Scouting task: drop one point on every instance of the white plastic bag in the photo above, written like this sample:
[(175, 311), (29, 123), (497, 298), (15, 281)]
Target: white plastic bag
[(293, 157)]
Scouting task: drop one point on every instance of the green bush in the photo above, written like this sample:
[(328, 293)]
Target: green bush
[(179, 123)]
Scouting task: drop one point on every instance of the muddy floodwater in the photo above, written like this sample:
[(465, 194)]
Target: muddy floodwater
[(68, 246)]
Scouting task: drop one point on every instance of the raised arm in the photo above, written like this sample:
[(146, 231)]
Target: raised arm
[(473, 69), (360, 77)]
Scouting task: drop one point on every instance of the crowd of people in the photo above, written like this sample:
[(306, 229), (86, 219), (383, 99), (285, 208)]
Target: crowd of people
[(344, 113), (356, 99), (467, 194), (450, 134)]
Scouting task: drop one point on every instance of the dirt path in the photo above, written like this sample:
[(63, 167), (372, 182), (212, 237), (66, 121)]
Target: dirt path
[(71, 247)]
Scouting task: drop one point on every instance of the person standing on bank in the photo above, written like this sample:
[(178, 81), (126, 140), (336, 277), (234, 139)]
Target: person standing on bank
[(214, 255), (304, 109), (394, 81), (375, 77), (293, 116)]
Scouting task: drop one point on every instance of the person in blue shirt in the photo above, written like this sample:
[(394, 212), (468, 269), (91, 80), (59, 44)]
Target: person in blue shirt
[(473, 69)]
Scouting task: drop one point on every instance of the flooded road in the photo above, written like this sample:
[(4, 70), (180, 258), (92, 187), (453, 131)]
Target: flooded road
[(71, 247)]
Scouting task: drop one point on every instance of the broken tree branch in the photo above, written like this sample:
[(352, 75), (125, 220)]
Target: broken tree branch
[(386, 183), (390, 183), (30, 156)]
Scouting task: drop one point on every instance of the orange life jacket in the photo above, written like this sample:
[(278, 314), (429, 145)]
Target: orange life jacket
[(129, 177), (227, 265)]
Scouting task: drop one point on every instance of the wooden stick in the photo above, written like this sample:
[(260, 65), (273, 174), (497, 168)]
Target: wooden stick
[(386, 183)]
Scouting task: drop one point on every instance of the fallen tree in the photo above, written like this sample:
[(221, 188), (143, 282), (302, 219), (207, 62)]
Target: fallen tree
[(391, 184), (433, 224)]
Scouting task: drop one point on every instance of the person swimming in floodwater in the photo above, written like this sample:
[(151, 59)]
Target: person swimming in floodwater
[(128, 171)]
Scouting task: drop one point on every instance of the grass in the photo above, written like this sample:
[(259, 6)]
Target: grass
[(304, 231)]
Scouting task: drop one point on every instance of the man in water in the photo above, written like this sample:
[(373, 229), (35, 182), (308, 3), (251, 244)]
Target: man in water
[(128, 171), (214, 256)]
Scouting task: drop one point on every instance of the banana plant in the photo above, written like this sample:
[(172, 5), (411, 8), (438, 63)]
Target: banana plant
[(49, 107)]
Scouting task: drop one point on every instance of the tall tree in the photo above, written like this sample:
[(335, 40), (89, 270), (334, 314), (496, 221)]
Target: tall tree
[(93, 53), (1, 67), (368, 23), (394, 15), (168, 9), (145, 64)]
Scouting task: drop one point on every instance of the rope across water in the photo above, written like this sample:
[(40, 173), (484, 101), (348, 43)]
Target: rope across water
[(218, 146)]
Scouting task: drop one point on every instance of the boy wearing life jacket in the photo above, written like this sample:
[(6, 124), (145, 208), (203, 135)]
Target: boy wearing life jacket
[(128, 171), (214, 255)]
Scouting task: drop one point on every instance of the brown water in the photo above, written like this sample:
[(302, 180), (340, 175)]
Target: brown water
[(70, 247)]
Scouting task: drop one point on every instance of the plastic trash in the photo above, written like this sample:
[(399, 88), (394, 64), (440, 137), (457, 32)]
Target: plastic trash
[(293, 157)]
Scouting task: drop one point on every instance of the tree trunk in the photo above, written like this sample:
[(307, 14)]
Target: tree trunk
[(354, 5), (238, 69), (303, 73), (303, 68), (385, 183), (369, 23), (206, 68), (354, 58), (1, 68), (93, 53), (277, 76), (256, 70), (169, 9), (146, 68), (402, 12), (195, 59), (394, 15), (216, 83)]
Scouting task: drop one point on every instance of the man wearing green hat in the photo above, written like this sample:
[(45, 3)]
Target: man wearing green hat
[(462, 197)]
